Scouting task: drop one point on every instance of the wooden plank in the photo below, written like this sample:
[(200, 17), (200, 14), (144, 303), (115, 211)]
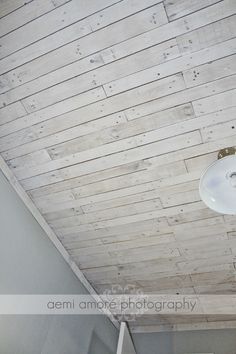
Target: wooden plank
[(82, 99), (107, 190), (67, 135), (192, 152), (121, 131), (200, 162), (73, 70), (180, 187), (160, 177), (219, 289), (217, 116), (154, 37), (105, 150), (37, 157), (216, 251), (171, 319), (161, 160), (58, 198), (212, 278), (138, 182), (210, 71), (201, 232), (180, 198), (197, 229), (206, 36), (179, 8), (192, 216), (81, 68), (109, 234), (219, 131), (131, 219), (120, 241), (135, 154), (34, 50), (77, 139), (88, 179), (161, 285), (49, 23), (113, 148), (83, 82), (187, 95), (112, 213), (77, 30), (166, 283), (174, 66), (127, 271), (63, 214), (185, 327), (215, 103), (40, 130), (126, 200), (119, 146), (10, 113), (202, 265), (9, 6), (118, 246), (176, 28), (27, 13), (152, 270), (84, 46), (35, 118), (113, 191), (230, 220), (97, 110), (205, 249), (202, 223), (127, 256)]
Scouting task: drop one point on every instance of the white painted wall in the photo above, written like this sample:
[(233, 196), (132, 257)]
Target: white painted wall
[(30, 264)]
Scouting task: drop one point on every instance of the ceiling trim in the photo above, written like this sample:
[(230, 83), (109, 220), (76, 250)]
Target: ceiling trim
[(198, 326), (51, 234)]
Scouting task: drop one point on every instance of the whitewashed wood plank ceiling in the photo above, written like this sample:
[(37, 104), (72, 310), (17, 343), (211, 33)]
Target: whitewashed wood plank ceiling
[(110, 110)]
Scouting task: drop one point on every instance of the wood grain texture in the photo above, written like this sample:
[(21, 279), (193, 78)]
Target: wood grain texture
[(109, 113)]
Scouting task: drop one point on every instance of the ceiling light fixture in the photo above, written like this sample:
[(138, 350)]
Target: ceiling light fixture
[(218, 183)]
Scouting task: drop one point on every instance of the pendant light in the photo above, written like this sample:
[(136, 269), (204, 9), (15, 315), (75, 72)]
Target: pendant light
[(218, 183)]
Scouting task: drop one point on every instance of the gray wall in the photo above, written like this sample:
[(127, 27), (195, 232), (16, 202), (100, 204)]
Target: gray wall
[(210, 341), (30, 264)]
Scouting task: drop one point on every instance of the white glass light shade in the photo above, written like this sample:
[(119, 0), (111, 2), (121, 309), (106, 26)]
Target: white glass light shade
[(218, 186)]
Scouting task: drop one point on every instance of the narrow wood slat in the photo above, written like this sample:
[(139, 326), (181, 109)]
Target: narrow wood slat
[(105, 107), (110, 189), (49, 23), (26, 13), (138, 61), (159, 134), (175, 66), (211, 71), (140, 110), (219, 131), (214, 103), (208, 35), (78, 47), (9, 6), (180, 8), (10, 113)]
